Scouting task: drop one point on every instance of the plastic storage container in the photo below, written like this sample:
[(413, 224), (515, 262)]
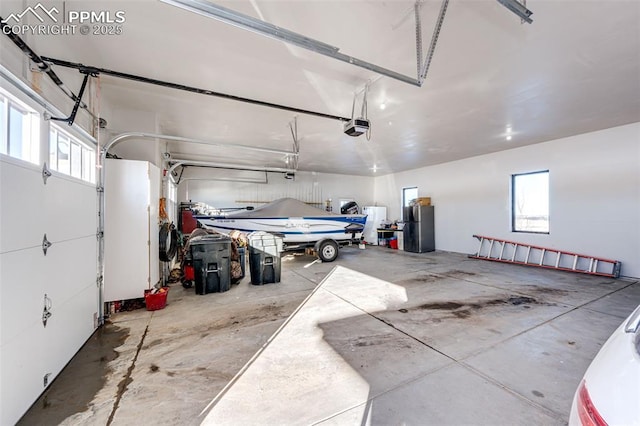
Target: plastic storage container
[(156, 301), (211, 259), (264, 258), (187, 222), (393, 243)]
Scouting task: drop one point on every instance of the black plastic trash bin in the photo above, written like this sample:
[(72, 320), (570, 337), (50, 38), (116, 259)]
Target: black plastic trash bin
[(211, 258), (264, 258)]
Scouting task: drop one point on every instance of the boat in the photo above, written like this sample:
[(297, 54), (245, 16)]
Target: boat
[(299, 224)]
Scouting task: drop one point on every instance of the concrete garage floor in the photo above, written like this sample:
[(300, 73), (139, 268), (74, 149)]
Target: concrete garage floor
[(377, 337)]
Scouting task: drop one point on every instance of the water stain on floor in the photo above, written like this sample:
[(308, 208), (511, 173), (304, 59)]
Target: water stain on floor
[(458, 273), (465, 309), (69, 395), (422, 279)]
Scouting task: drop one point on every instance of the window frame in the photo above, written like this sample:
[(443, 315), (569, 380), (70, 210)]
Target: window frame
[(29, 149), (514, 208), (405, 202), (87, 172)]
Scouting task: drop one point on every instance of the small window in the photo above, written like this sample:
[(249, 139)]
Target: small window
[(19, 129), (64, 156), (530, 202), (408, 194), (76, 160), (69, 155), (88, 157)]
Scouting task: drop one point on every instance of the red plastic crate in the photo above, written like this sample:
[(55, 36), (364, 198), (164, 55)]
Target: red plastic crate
[(156, 301)]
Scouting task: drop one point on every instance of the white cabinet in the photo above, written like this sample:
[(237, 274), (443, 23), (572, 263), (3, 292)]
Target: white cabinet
[(131, 260), (375, 216)]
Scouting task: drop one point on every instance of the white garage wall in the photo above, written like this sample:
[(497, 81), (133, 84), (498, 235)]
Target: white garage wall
[(307, 186), (594, 183)]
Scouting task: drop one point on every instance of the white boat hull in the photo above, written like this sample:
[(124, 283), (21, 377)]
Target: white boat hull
[(295, 230)]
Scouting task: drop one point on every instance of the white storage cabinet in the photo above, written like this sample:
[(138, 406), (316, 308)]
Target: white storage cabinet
[(131, 259)]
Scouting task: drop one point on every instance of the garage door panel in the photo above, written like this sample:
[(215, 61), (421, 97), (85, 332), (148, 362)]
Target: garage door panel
[(21, 293), (22, 191), (69, 327), (21, 381), (70, 265), (71, 207)]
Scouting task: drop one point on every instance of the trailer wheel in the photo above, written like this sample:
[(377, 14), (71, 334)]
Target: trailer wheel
[(327, 250)]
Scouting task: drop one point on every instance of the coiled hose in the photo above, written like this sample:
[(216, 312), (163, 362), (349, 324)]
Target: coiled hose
[(168, 230)]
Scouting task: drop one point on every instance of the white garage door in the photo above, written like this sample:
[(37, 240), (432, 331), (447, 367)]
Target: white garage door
[(64, 280)]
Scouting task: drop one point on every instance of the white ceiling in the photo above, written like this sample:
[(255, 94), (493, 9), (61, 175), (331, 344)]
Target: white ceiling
[(575, 69)]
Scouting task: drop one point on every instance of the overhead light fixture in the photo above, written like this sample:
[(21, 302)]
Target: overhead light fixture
[(508, 137), (518, 8), (383, 106)]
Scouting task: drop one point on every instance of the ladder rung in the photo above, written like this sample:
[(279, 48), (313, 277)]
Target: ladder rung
[(558, 259), (575, 262), (490, 248), (515, 249), (480, 246), (502, 250), (542, 257), (526, 260)]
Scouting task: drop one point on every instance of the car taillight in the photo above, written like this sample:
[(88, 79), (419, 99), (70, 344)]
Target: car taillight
[(587, 412)]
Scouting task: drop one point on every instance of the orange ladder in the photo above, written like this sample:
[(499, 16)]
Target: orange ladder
[(526, 254)]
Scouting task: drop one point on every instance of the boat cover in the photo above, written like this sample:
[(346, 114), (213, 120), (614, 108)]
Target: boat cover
[(283, 207)]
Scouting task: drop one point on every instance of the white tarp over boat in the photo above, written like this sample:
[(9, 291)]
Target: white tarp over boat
[(284, 207)]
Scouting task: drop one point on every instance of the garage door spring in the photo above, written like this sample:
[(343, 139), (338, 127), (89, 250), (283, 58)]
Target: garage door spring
[(166, 255)]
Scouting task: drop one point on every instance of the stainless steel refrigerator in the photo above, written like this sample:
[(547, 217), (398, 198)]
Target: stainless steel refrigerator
[(419, 229)]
